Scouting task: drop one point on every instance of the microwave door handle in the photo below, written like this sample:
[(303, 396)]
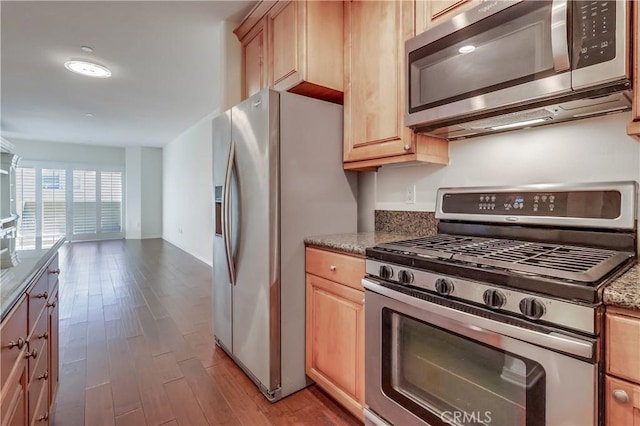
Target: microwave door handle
[(226, 207), (559, 40)]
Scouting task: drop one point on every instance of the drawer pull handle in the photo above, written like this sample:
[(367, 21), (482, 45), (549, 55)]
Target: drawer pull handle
[(33, 354), (332, 268), (52, 304), (55, 271), (620, 396), (406, 147), (16, 343), (43, 417), (44, 335), (44, 376), (42, 295)]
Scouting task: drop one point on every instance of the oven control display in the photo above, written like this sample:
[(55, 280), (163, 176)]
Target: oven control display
[(594, 28), (581, 204)]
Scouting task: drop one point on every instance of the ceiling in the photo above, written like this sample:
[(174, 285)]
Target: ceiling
[(165, 58)]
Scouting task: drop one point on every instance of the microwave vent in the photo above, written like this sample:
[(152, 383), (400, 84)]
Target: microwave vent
[(510, 118)]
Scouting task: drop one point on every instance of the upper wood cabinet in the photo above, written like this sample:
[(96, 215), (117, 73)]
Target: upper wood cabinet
[(633, 128), (374, 98), (431, 12), (300, 48), (254, 55)]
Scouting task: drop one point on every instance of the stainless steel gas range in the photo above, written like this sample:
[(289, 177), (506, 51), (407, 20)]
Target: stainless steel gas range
[(497, 320)]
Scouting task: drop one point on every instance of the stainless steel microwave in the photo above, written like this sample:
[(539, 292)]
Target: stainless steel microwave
[(518, 63)]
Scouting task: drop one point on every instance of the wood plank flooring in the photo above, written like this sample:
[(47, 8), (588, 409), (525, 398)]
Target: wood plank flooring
[(137, 348)]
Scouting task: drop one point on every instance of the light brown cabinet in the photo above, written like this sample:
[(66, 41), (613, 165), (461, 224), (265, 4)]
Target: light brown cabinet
[(432, 12), (374, 96), (623, 361), (335, 326), (29, 347), (633, 128), (298, 48)]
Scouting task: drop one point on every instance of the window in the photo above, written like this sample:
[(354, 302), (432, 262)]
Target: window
[(111, 201), (54, 201), (54, 206), (26, 208), (84, 202)]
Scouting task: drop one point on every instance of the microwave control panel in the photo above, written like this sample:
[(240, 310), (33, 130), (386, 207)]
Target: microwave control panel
[(594, 32)]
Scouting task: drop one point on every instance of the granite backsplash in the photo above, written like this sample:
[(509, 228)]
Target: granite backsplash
[(406, 222)]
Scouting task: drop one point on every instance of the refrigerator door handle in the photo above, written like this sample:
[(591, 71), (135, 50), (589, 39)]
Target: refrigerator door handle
[(226, 214)]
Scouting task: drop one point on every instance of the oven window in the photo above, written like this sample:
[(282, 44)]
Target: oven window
[(445, 378)]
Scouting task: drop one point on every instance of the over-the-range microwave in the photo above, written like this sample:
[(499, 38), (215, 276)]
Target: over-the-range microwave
[(518, 63)]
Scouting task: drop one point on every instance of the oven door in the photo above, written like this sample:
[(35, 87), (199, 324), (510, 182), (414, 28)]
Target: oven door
[(498, 54), (429, 364)]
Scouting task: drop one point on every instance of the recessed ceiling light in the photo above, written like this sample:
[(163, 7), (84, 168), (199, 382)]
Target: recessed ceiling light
[(86, 49), (88, 69), (88, 114), (467, 49)]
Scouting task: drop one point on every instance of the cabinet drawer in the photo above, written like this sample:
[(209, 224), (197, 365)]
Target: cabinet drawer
[(623, 346), (13, 337), (344, 269), (39, 383), (37, 343), (37, 299), (53, 270)]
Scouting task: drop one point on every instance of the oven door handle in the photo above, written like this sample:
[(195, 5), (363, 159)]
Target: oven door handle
[(484, 329)]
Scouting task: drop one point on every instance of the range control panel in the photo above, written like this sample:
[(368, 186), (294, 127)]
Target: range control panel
[(594, 32), (578, 204)]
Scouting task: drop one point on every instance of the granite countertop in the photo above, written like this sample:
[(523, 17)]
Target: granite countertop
[(624, 291), (15, 280), (356, 242)]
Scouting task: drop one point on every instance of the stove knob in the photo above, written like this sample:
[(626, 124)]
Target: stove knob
[(444, 286), (405, 277), (494, 298), (386, 272), (531, 308)]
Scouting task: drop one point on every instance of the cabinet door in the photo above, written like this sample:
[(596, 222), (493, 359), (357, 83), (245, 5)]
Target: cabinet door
[(285, 52), (622, 403), (335, 340), (375, 32), (13, 404), (431, 12), (54, 363), (254, 53)]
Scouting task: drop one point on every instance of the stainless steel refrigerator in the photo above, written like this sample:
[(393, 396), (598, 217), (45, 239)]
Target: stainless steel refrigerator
[(277, 177)]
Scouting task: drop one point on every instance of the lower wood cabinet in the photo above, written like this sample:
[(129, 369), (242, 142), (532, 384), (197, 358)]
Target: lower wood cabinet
[(335, 328), (622, 390), (29, 348)]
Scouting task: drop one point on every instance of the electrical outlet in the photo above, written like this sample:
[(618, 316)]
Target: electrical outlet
[(410, 194)]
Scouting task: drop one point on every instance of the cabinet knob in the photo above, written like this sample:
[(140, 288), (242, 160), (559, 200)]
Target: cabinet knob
[(16, 343), (33, 354), (44, 335), (52, 304), (42, 295), (44, 417), (44, 376), (620, 396), (407, 147), (332, 268), (55, 271)]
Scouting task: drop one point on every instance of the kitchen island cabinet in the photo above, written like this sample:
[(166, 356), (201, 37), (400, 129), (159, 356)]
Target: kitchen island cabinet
[(293, 46), (374, 96), (29, 338), (335, 326)]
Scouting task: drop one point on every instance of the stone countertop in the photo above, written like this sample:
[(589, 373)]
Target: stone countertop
[(356, 242), (15, 280), (624, 291)]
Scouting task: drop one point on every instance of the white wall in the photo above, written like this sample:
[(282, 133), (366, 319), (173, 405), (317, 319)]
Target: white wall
[(590, 150), (69, 153), (133, 184), (187, 191), (187, 197), (151, 192)]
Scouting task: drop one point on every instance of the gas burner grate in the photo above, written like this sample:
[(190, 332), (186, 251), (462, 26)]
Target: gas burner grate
[(574, 263)]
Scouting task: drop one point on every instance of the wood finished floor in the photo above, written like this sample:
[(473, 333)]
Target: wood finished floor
[(136, 346)]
